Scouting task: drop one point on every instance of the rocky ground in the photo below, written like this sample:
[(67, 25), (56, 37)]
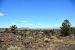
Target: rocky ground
[(36, 41)]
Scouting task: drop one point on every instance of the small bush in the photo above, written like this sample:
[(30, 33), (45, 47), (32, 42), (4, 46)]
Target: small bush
[(46, 32), (46, 40), (13, 28), (6, 30), (52, 31)]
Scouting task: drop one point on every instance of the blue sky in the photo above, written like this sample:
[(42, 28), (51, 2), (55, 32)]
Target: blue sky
[(36, 13)]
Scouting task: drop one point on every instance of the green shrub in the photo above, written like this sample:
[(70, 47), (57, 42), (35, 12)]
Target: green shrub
[(6, 30), (13, 28)]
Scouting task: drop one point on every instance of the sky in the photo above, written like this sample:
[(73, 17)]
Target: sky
[(36, 13)]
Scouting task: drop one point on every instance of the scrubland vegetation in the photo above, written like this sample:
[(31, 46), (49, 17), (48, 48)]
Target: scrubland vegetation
[(14, 38)]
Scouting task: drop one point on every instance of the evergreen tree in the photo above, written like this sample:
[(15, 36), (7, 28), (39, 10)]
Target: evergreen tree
[(66, 28)]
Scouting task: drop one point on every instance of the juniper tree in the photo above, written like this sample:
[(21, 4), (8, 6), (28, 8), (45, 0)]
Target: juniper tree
[(66, 28)]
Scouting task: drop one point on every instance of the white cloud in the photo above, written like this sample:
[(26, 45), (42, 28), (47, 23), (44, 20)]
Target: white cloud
[(39, 24), (1, 14), (24, 21)]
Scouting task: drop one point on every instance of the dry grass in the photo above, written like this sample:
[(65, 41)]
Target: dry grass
[(35, 41), (14, 48)]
